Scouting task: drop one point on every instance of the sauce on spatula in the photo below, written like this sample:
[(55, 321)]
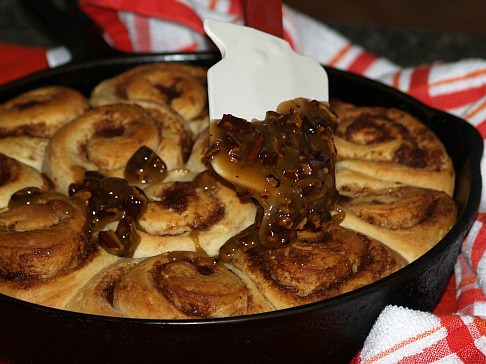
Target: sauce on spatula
[(285, 162)]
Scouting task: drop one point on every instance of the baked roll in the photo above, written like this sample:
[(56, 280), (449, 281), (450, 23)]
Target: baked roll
[(176, 285), (45, 254), (182, 87), (96, 296), (387, 147), (105, 138), (28, 120), (409, 220), (317, 266), (15, 176), (198, 214)]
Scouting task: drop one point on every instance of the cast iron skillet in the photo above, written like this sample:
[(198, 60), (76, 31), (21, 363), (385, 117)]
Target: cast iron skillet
[(328, 331)]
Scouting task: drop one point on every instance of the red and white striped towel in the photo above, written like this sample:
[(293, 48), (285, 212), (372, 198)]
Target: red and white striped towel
[(456, 332)]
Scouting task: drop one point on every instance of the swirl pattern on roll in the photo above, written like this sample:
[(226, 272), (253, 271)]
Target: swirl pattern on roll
[(28, 120), (318, 266), (410, 220), (183, 87), (199, 213), (106, 137), (45, 254), (390, 145), (177, 285)]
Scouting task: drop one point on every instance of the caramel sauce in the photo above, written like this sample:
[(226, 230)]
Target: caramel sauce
[(111, 199), (145, 166), (286, 163), (24, 196)]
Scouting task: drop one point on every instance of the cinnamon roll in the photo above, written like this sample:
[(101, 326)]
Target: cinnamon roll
[(45, 254), (96, 296), (105, 138), (176, 285), (181, 86), (410, 220), (377, 145), (317, 266), (198, 214), (28, 120), (15, 176)]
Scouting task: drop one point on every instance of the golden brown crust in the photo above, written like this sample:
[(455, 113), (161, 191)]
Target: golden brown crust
[(318, 266), (175, 136), (390, 145), (43, 237), (104, 139), (41, 111), (408, 219), (28, 150), (45, 255), (58, 290), (28, 120), (182, 285), (180, 86), (96, 296), (200, 213)]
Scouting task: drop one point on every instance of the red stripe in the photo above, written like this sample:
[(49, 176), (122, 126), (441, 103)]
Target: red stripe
[(142, 30), (362, 62), (419, 80), (448, 302), (188, 48), (458, 98), (470, 296), (108, 20), (235, 7), (163, 9), (481, 127), (478, 246), (17, 61), (461, 341), (430, 354)]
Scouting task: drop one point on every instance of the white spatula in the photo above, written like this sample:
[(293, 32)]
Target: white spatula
[(258, 70)]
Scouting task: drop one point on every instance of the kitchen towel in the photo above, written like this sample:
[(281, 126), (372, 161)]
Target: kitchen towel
[(456, 330)]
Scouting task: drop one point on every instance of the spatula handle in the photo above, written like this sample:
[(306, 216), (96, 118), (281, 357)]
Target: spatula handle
[(264, 15)]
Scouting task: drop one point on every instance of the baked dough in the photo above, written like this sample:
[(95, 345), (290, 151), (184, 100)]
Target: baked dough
[(29, 120), (376, 145), (45, 254), (106, 137), (178, 285), (409, 220), (318, 266), (181, 86), (199, 214)]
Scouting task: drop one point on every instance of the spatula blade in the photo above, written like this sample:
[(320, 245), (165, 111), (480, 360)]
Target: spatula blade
[(257, 72)]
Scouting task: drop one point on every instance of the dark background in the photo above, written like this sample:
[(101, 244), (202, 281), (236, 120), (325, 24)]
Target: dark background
[(443, 15), (408, 32)]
